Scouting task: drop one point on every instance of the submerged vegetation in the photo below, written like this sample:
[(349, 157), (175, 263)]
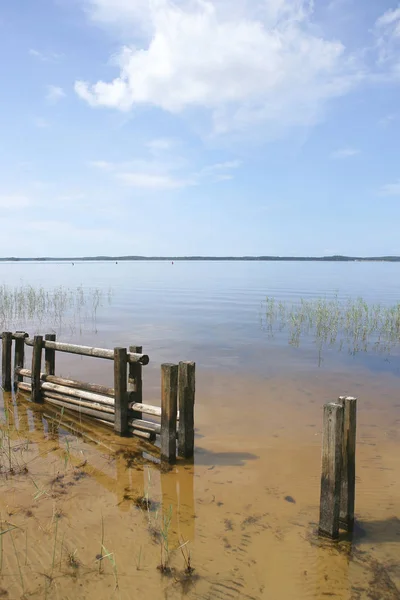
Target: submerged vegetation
[(352, 325), (36, 509), (59, 307)]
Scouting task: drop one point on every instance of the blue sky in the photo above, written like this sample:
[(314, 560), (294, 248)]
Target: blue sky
[(222, 127)]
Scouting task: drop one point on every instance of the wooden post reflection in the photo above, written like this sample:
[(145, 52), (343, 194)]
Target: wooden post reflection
[(186, 514), (332, 570), (124, 476), (8, 410), (130, 483), (22, 416), (178, 503)]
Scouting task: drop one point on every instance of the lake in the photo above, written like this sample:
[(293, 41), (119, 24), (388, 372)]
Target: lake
[(248, 506)]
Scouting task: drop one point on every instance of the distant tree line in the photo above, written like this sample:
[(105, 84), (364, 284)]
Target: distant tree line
[(335, 258)]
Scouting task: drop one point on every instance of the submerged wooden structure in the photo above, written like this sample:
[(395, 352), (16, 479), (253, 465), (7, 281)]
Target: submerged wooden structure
[(120, 407), (338, 475)]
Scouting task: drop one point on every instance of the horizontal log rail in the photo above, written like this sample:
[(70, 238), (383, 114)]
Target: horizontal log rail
[(132, 357), (71, 383), (24, 387), (145, 435), (79, 397), (76, 402), (91, 412), (147, 409), (18, 335), (145, 425)]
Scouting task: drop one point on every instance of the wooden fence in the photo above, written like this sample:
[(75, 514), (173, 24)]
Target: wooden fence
[(121, 406)]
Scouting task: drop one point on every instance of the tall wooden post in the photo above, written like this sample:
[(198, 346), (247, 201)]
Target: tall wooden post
[(331, 470), (36, 367), (135, 381), (186, 409), (19, 356), (6, 350), (121, 391), (50, 355), (169, 409), (347, 497)]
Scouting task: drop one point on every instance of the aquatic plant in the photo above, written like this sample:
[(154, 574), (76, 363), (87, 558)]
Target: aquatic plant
[(59, 307), (351, 324), (164, 543), (189, 570)]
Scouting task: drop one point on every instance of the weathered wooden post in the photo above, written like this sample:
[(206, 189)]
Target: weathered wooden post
[(186, 409), (6, 350), (169, 409), (332, 442), (121, 391), (36, 367), (19, 356), (50, 355), (347, 497), (135, 381)]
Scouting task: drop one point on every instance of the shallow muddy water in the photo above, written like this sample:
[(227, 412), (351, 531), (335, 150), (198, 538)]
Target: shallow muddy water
[(86, 515)]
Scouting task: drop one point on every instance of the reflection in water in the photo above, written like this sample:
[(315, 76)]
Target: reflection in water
[(328, 579), (125, 471), (233, 459), (74, 478), (246, 539)]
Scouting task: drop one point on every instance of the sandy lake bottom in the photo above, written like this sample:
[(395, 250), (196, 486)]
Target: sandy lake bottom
[(87, 515)]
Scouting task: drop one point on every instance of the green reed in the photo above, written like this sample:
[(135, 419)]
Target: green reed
[(353, 324), (59, 307)]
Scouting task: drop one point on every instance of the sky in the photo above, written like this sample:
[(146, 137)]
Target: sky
[(199, 127)]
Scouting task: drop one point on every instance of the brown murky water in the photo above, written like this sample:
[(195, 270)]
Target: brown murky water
[(76, 522)]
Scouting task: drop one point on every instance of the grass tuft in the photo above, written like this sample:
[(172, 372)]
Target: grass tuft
[(353, 325)]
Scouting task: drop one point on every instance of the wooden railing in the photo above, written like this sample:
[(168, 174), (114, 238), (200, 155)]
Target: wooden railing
[(121, 406)]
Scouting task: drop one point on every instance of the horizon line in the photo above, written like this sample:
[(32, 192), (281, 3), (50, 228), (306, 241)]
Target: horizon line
[(334, 257)]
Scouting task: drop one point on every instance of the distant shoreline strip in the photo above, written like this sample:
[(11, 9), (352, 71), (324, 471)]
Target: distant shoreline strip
[(336, 258)]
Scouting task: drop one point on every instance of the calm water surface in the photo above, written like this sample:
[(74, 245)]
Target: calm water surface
[(258, 441), (213, 312)]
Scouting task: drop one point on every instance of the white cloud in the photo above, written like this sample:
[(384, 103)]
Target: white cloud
[(337, 4), (58, 237), (224, 166), (72, 197), (345, 153), (36, 54), (161, 144), (54, 93), (14, 202), (153, 182), (387, 32), (102, 164), (150, 174), (390, 17), (162, 172), (390, 189), (41, 123), (44, 57), (121, 13), (387, 120), (242, 61)]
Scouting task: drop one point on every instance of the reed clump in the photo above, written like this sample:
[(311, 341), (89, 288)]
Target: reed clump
[(60, 307), (12, 448), (352, 324)]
